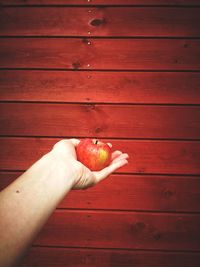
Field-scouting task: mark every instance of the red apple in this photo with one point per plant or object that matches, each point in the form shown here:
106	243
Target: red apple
93	154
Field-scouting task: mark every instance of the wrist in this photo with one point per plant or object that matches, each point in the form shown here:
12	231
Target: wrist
64	169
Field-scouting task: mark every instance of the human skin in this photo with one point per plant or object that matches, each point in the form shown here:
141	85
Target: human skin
27	203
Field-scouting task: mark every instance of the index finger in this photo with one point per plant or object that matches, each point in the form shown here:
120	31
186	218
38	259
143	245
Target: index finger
75	141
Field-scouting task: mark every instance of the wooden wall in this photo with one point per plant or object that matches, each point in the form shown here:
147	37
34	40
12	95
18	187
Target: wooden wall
126	71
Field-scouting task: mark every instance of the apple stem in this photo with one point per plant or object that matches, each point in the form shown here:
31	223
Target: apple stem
96	142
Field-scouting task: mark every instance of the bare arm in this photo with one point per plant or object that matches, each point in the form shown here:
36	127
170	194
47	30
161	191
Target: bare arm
27	203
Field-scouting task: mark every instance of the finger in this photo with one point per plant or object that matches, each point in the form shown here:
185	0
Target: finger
75	141
122	156
110	169
115	154
60	143
109	144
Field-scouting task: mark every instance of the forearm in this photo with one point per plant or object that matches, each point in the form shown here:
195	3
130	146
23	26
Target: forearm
27	203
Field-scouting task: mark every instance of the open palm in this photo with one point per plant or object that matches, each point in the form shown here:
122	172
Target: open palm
86	177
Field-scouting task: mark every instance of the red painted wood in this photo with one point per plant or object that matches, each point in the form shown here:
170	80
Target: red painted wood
166	229
118	21
101	2
164	157
119	121
132	192
79	257
75	53
128	230
70	86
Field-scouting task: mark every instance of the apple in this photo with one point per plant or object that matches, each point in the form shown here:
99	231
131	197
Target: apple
94	154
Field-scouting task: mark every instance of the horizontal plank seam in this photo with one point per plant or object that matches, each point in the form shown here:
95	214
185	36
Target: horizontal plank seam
84	70
84	103
105	70
197	175
103	211
158	174
99	103
101	137
100	5
129	174
172	175
98	37
111	211
122	249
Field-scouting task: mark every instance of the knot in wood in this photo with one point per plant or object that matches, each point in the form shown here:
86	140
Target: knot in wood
97	22
186	45
98	130
167	193
157	236
76	65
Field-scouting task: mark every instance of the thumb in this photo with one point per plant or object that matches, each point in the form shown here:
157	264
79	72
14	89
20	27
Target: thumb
100	175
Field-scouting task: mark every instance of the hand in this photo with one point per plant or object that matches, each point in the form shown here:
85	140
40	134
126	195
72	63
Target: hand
83	177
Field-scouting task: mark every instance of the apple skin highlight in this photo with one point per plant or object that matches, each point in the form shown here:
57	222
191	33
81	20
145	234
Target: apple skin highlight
94	154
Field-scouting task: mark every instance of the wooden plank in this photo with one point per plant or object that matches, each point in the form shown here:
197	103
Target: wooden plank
164	157
118	21
128	230
101	2
79	257
118	121
70	86
132	192
76	53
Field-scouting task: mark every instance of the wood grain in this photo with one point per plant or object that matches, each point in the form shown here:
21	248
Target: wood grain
118	21
132	192
159	157
152	204
110	121
86	87
76	53
101	2
128	230
79	257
